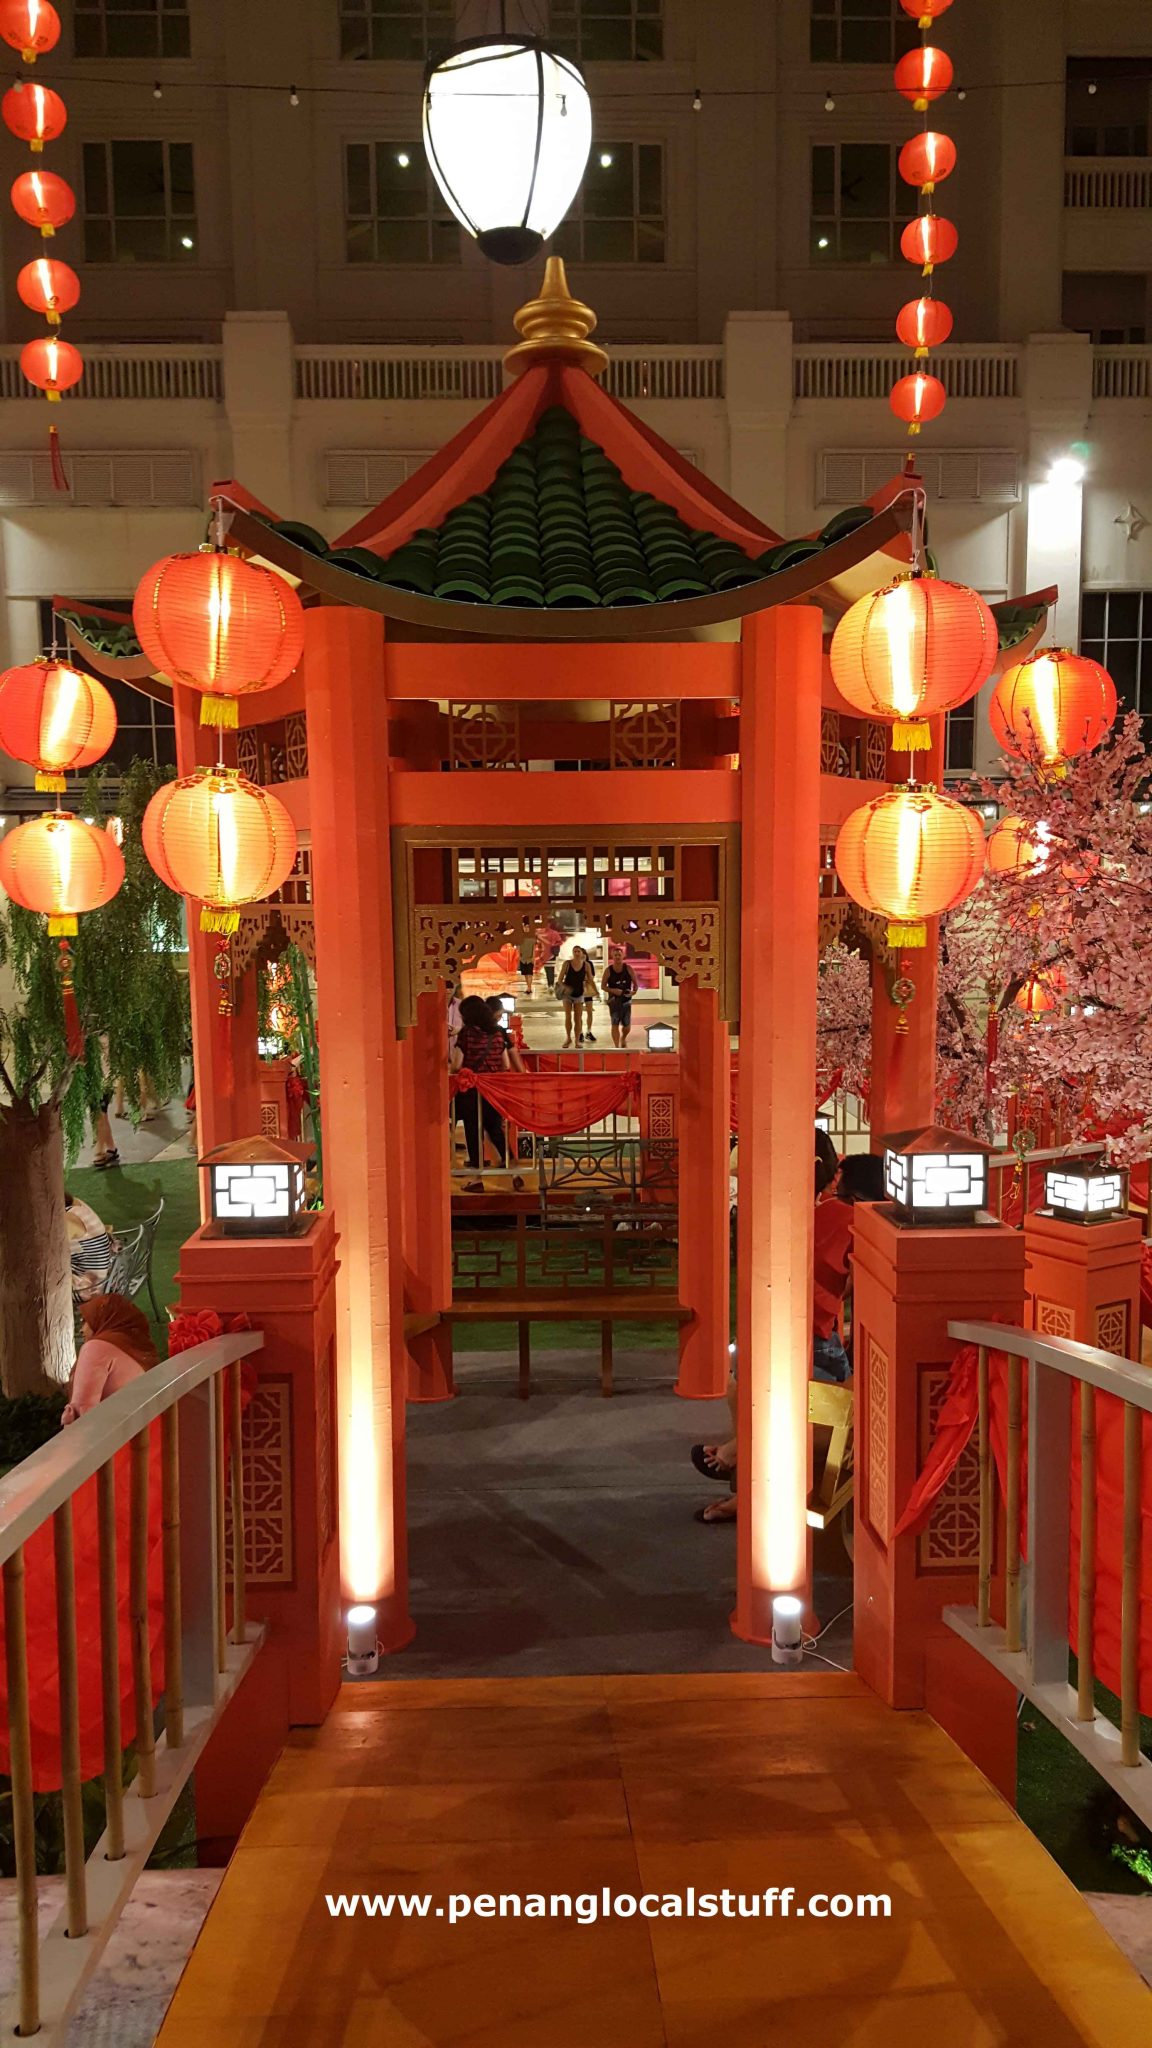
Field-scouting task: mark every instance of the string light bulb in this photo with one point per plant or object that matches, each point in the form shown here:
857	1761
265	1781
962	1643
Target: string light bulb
697	102
293	96
829	104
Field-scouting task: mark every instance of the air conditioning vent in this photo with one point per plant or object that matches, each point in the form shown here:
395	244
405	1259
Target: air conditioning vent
364	476
988	476
110	476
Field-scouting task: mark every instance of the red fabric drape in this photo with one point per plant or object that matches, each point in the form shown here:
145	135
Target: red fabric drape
957	1420
40	1605
552	1105
826	1085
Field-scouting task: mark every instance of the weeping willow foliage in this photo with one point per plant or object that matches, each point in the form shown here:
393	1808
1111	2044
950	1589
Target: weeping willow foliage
131	993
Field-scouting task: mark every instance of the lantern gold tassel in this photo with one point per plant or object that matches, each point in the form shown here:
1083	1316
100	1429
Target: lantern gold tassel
213	919
221	711
48	779
62	927
911	736
907	935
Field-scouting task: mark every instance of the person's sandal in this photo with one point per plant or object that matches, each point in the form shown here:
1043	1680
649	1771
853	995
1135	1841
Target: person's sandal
717	1511
109	1159
709	1465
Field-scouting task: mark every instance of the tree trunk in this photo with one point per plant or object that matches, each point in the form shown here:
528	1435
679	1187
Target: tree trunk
36	1328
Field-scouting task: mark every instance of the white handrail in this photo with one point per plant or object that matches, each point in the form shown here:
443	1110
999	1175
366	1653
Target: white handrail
1103	1369
39	1485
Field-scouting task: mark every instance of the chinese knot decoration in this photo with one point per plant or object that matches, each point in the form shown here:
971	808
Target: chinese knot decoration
922	76
36	114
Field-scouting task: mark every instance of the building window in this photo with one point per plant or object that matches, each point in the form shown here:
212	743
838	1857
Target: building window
607	31
394	211
400	31
859	31
960	739
1107	102
859	203
618	216
145	729
132	28
1116	628
139	203
1110	306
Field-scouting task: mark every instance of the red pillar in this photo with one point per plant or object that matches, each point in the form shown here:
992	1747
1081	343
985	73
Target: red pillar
217	1118
910	1283
287	1285
1083	1281
427	1198
344	668
703	1193
780	856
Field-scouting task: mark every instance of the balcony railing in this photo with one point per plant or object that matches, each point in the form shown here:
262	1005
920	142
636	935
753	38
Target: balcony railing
181	1404
1034	1525
1122	373
161	372
840	370
477	374
1108	184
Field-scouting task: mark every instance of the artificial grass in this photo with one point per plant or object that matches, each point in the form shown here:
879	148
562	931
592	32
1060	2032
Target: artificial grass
1067	1806
126	1194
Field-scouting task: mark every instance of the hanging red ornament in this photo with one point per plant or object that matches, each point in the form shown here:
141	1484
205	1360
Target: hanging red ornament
43	200
1041	993
1056	704
927	159
909	652
922	75
917	398
54	718
30	26
34	113
218	837
221	625
1014	849
52	365
923	324
925	12
909	856
60	866
49	287
928	240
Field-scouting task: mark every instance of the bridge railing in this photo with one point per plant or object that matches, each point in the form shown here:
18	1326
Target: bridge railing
185	1416
1031	1649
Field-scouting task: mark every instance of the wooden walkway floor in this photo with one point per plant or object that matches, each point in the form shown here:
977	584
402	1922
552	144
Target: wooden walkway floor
645	1785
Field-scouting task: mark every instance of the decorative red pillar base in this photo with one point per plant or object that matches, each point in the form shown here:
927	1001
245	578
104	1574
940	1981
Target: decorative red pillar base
1083	1281
910	1283
287	1286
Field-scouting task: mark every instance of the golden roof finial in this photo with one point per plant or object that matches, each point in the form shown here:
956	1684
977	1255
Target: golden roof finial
555	328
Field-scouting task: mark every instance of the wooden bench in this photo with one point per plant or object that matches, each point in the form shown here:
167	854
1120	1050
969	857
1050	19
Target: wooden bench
832	1408
591	1305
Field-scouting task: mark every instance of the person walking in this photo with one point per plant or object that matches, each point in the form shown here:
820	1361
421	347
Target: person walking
482	1047
577	988
619	986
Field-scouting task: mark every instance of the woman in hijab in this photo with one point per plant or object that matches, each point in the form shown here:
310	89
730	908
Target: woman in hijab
117	1348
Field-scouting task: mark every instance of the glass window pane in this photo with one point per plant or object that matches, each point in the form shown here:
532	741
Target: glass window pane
181	179
95	163
360	241
608	241
97	241
865	42
823	179
865	179
400	241
650	178
1123	614
357	178
131	35
865	241
1092	612
822	42
1122	667
138	177
141	241
176	36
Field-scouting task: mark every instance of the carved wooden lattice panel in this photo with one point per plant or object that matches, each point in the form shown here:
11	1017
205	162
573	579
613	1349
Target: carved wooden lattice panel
296	746
248	752
270	1120
952	1537
269	1556
833	755
876	1384
1112	1331
661	1119
876	752
484	736
645	735
1054	1320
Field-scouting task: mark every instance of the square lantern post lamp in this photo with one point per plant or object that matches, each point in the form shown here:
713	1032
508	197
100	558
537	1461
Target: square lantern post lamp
1086	1191
258	1188
661	1038
508	1005
936	1177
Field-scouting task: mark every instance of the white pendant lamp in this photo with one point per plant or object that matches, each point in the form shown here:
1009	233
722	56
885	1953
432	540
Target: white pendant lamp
507	130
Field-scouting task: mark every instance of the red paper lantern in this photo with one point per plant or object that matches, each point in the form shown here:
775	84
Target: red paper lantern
928	240
1014	850
43	200
52	365
925	12
910	855
923	324
917	398
927	159
62	867
49	287
221	625
30	26
1041	993
1056	704
34	113
911	651
218	837
922	75
55	718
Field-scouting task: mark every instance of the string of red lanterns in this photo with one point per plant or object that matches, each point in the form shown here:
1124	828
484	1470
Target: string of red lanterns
36	114
923	76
